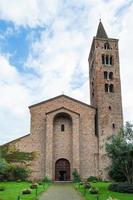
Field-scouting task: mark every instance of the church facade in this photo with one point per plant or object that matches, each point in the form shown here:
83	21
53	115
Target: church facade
68	134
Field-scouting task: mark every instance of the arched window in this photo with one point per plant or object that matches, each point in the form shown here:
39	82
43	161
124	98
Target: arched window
107	60
106	87
106	45
62	128
111	88
111	75
111	60
103	61
105	75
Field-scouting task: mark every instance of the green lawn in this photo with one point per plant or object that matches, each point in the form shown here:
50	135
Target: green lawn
13	189
104	193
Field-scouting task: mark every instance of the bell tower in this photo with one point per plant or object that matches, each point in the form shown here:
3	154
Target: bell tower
105	91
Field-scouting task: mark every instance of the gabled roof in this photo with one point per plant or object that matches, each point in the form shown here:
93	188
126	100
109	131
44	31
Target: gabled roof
15	140
101	33
57	97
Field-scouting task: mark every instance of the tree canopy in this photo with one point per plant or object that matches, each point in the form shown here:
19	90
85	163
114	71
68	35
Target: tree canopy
120	150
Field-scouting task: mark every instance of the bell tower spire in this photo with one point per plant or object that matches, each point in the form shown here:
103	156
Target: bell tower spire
101	33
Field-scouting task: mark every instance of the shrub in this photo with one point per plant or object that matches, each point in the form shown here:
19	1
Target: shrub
27	191
111	198
92	179
87	185
34	186
116	174
3	168
12	172
121	187
2	188
20	173
40	183
76	176
93	190
81	183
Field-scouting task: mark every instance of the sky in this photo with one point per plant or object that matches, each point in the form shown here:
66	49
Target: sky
44	48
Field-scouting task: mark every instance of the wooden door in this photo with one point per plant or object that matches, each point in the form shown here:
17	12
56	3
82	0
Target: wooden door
62	170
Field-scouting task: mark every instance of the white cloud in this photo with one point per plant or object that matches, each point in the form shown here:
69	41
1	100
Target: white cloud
63	47
28	12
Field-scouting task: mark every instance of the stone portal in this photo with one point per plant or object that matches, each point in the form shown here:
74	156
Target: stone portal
62	170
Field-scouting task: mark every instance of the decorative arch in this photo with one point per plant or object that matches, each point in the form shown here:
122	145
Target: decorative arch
62	170
62	114
64	122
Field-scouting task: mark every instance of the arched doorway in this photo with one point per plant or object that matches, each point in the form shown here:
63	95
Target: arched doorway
62	170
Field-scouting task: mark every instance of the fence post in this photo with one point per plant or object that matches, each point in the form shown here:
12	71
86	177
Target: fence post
18	197
84	191
36	192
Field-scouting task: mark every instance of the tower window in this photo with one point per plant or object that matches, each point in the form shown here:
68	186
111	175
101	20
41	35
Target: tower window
107	60
108	75
111	88
111	75
103	61
62	128
106	46
106	87
113	125
110	108
110	60
105	75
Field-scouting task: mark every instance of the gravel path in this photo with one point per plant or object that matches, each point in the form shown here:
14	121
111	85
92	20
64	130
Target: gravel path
61	191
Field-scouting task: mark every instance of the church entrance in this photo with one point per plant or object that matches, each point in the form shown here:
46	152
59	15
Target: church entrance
62	170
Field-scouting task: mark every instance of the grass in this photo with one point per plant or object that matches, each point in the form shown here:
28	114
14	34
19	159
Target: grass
104	193
14	189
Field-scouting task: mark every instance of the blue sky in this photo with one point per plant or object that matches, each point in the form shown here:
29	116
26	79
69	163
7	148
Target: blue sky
46	42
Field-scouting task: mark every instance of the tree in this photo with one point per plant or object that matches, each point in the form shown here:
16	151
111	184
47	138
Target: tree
120	150
13	163
12	155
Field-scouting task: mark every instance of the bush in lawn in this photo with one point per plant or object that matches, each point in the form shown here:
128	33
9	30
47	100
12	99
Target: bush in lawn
87	185
3	168
34	186
81	183
111	198
121	187
92	179
93	190
27	191
76	176
2	188
16	172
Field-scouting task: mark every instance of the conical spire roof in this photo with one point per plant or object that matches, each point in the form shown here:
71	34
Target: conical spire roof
101	33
